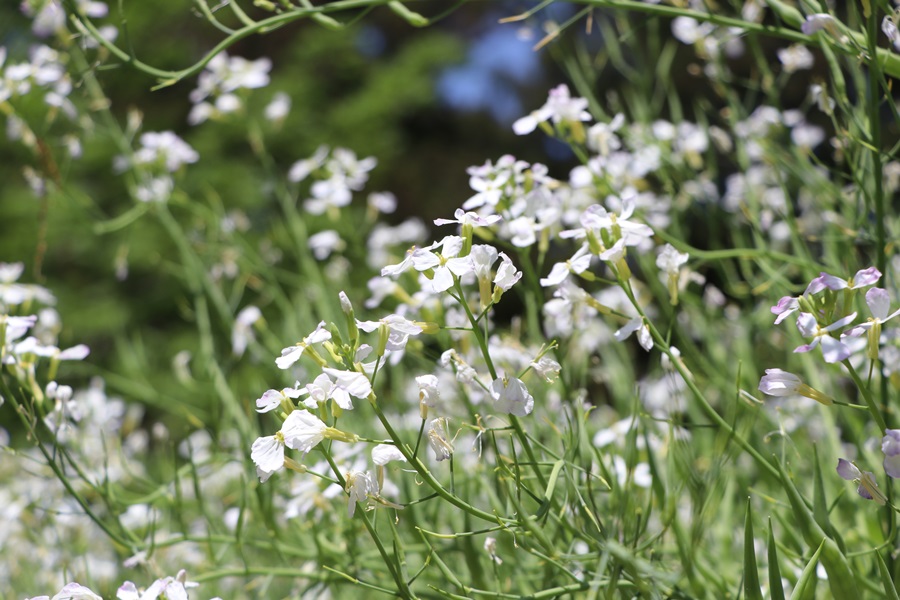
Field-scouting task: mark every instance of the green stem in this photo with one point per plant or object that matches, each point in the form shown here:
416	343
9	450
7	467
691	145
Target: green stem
402	588
60	475
707	408
426	475
870	402
485	352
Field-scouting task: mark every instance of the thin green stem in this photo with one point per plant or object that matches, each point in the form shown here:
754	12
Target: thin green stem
870	402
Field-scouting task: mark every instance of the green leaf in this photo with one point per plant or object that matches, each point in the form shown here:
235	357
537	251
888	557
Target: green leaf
890	592
751	575
820	503
840	576
776	592
806	585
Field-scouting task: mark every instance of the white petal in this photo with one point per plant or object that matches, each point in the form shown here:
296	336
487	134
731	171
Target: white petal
267	453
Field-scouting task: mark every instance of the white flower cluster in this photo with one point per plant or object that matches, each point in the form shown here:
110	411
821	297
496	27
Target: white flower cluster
218	87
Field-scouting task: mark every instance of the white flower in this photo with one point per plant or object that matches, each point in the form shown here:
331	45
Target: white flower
324	243
795	58
469	218
511	396
359	485
301	169
490	546
559	108
819	22
547	368
352	382
272	399
382	454
437	439
670	260
171	588
690	31
579	263
279	107
75	591
429	395
242	334
292	354
301	431
507	275
602	138
164	148
645	339
833	350
323	388
781	383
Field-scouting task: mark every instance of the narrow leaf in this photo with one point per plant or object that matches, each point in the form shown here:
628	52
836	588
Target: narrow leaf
776	592
890	592
751	575
806	585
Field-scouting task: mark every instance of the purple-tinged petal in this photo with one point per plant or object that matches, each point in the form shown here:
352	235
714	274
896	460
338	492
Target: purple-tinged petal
892	466
833	282
834	350
890	443
865	277
806	347
841	322
779	383
879	302
785	306
862	491
807	324
815	286
847	470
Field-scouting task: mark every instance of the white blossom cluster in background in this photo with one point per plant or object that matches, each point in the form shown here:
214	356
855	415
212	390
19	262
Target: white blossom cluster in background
43	525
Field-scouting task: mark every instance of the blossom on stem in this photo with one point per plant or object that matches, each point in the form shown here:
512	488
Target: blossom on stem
172	588
394	331
819	22
890	445
579	263
507	275
166	149
351	383
786	306
437	439
490	546
669	260
511	396
879	304
833	349
360	484
560	108
72	591
781	383
429	394
292	354
645	339
302	431
272	399
868	487
863	278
